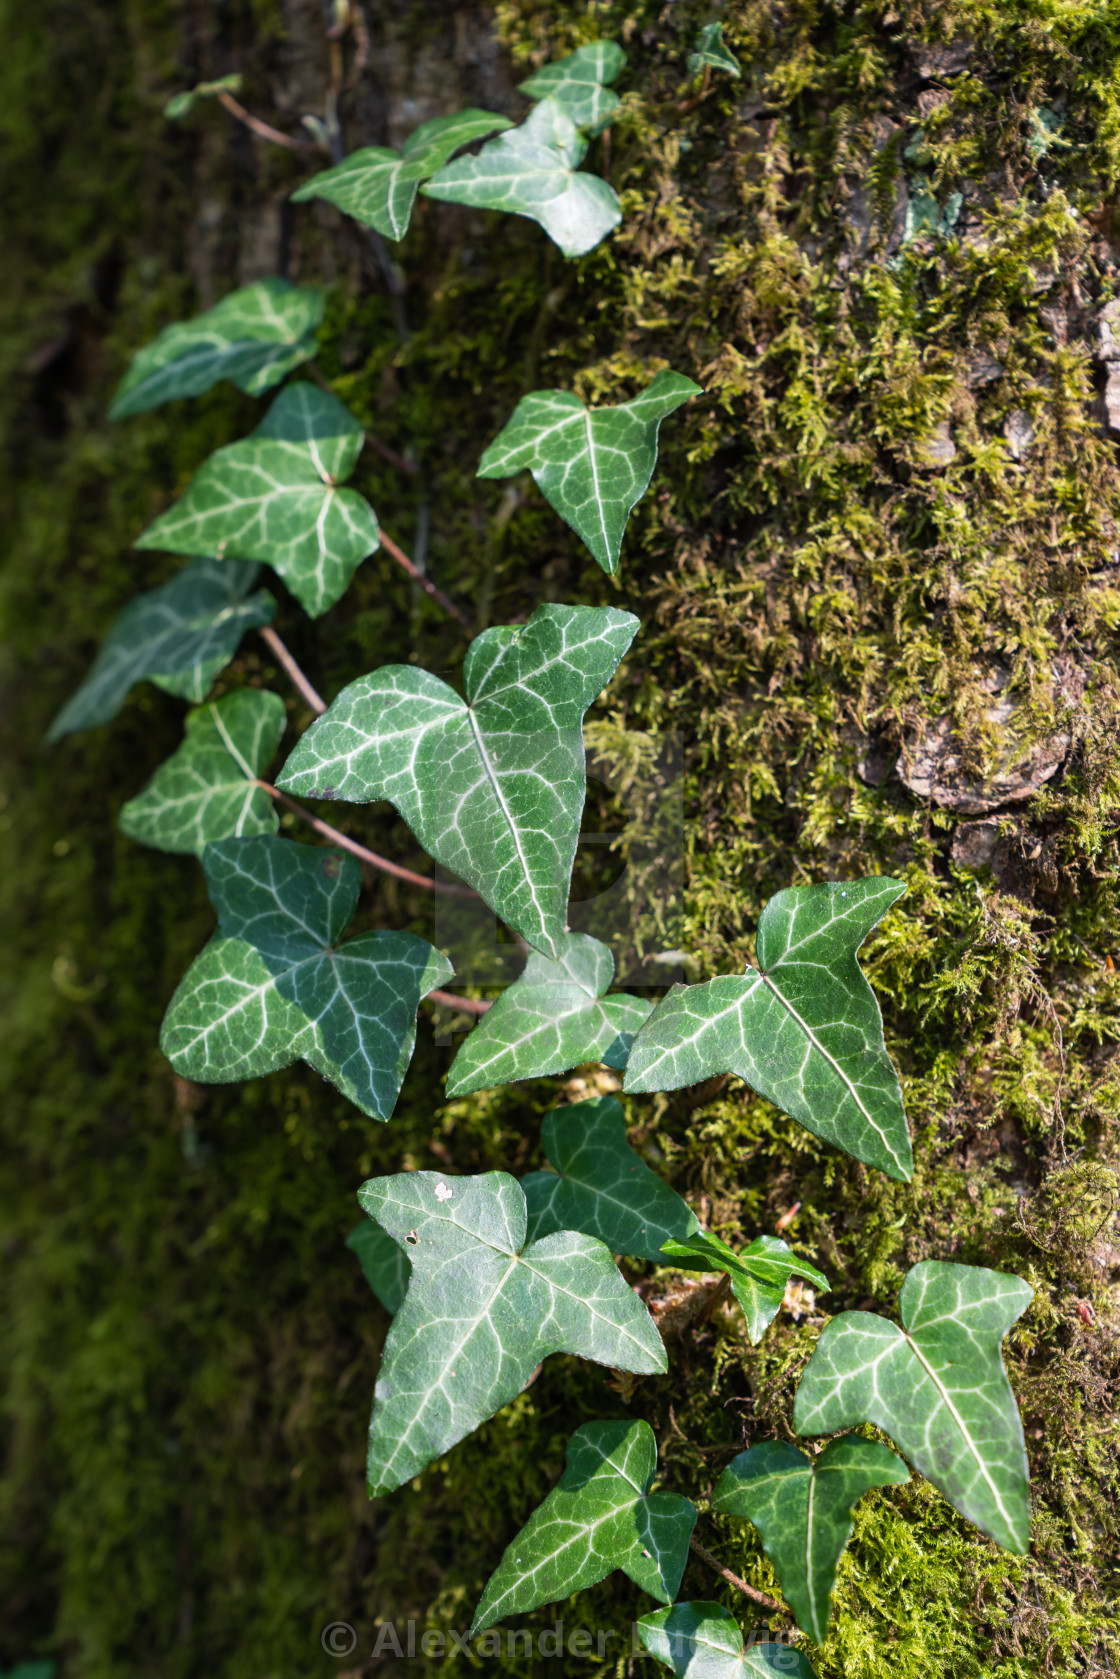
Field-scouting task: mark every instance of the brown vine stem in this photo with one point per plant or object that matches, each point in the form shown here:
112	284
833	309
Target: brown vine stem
426	583
470	1005
295	675
263	130
733	1579
362	852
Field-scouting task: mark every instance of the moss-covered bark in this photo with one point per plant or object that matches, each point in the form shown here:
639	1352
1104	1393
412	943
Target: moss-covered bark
886	535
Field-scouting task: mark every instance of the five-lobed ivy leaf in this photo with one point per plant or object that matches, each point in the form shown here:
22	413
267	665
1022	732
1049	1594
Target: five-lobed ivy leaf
711	52
601	1515
803	1509
937	1387
274	986
593	465
492	787
483	1308
758	1275
703	1641
803	1028
580	83
209	789
532	171
275	496
385	1266
600	1186
553	1017
378	186
178	636
254	337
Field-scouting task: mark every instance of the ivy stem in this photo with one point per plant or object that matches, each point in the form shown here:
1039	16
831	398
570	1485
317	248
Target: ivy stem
426	583
470	1005
362	852
298	680
263	130
733	1579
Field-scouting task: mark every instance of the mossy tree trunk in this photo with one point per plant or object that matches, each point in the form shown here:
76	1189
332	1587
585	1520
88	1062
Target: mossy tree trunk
879	585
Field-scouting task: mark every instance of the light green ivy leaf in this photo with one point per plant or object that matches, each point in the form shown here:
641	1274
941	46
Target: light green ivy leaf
208	789
758	1274
274	985
803	1508
593	465
378	186
532	171
601	1515
937	1387
482	1310
580	83
711	52
254	337
275	496
384	1265
803	1028
601	1186
493	788
178	636
703	1641
182	104
555	1016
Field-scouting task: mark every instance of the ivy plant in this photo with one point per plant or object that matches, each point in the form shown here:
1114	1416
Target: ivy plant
758	1276
711	52
703	1641
581	83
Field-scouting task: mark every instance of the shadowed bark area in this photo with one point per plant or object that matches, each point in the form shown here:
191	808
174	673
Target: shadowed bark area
877	574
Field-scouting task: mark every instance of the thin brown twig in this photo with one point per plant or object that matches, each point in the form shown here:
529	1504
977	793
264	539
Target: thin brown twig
425	583
362	852
469	1005
263	130
733	1579
280	653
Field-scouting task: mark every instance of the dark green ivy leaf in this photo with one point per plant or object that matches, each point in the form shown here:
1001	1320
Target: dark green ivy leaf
580	83
703	1641
384	1265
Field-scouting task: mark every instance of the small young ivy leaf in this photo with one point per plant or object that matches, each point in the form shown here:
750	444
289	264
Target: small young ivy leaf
275	496
580	83
599	1516
703	1641
208	789
600	1186
254	337
937	1387
384	1265
482	1310
178	636
803	1509
555	1016
182	104
492	788
378	186
531	171
593	465
803	1028
758	1275
274	986
711	52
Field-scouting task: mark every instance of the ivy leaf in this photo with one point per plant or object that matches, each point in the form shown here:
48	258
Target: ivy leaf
275	496
593	465
711	52
482	1310
803	1509
937	1387
179	636
274	986
182	104
254	337
492	788
803	1028
531	171
703	1641
601	1186
208	789
378	186
758	1275
579	84
555	1016
599	1516
384	1265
